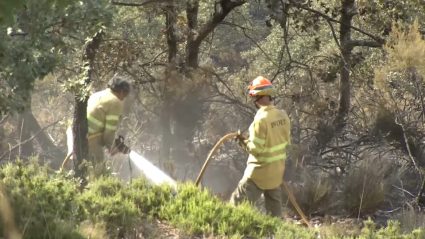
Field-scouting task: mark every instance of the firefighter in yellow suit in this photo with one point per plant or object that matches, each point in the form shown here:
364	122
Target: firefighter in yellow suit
104	110
269	135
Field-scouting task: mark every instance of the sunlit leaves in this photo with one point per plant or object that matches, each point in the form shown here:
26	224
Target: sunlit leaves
400	78
8	8
38	40
78	84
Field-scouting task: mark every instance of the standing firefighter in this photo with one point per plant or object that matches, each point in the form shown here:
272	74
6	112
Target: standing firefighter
269	135
104	110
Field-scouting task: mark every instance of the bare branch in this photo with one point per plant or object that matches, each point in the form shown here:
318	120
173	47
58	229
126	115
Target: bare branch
4	119
114	2
252	40
226	7
354	43
333	33
326	17
32	137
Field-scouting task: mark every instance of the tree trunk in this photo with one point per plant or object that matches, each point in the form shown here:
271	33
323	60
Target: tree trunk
45	143
2	139
189	112
327	132
170	24
166	132
27	149
79	123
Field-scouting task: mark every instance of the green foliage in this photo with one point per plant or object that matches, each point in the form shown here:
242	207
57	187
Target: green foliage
200	212
35	44
43	203
8	8
47	203
78	84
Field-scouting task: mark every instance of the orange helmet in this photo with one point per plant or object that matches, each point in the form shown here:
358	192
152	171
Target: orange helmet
261	86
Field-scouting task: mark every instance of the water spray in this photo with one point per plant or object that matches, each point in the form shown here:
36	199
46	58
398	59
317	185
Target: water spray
152	173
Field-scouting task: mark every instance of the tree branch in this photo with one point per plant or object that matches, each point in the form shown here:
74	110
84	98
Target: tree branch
4	119
326	17
29	139
192	14
354	43
170	23
226	7
114	2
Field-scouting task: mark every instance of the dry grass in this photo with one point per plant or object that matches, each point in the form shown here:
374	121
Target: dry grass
314	194
93	231
410	220
364	188
339	231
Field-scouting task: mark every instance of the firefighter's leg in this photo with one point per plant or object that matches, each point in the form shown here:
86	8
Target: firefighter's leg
97	159
246	190
273	201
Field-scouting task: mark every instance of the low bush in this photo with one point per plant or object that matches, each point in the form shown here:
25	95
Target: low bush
364	188
48	205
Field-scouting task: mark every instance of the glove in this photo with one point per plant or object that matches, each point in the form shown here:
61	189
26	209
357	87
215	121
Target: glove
241	140
120	146
125	149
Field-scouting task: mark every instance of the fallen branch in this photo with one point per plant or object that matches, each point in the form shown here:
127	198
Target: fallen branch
4	119
31	138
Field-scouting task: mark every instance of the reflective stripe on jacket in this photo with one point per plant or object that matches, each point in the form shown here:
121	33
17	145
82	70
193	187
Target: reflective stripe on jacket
104	110
269	135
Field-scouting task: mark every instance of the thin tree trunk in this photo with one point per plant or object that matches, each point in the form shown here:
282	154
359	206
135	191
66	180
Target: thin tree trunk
327	132
27	149
79	123
170	23
2	139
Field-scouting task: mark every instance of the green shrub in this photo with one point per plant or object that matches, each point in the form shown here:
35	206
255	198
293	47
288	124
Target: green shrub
48	205
201	212
148	198
43	204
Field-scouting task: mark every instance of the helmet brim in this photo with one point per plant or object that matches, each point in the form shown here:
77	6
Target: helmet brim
259	92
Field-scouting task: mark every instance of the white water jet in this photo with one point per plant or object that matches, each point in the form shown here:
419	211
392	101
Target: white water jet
152	173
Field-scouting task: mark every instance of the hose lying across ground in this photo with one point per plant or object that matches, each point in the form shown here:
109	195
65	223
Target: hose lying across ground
284	186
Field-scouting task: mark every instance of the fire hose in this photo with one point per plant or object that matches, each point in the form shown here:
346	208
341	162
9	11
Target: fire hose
118	142
283	185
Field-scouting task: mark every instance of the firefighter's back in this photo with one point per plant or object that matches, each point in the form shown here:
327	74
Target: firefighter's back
268	167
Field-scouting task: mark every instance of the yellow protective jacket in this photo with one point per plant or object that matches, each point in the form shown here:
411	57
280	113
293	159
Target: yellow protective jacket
104	111
269	135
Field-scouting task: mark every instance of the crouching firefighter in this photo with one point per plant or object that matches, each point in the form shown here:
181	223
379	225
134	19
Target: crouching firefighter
269	135
104	110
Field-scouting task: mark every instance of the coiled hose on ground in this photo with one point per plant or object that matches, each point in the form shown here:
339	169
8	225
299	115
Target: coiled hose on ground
283	185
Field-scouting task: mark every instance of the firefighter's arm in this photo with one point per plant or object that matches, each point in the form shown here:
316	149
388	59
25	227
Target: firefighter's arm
111	124
257	137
